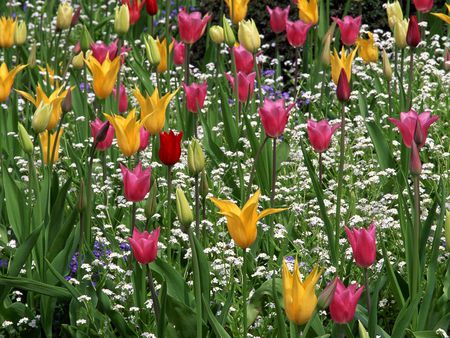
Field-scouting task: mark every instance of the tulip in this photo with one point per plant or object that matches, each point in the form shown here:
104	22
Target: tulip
85	39
136	183
343	305
216	34
162	47
64	16
76	17
367	49
7	79
66	105
123	99
343	87
442	16
54	100
363	243
20	34
246	85
25	140
408	122
238	9
144	245
184	211
101	50
122	20
394	13
47	153
196	158
343	62
134	9
387	70
278	18
297	32
274	116
78	61
179	52
96	126
170	147
151	7
241	223
249	36
326	296
41	117
204	185
320	133
230	39
152	50
308	11
7	28
349	29
400	29
192	26
153	109
32	56
195	96
423	6
143	139
104	75
415	165
447	230
127	132
413	34
48	74
299	297
244	60
325	56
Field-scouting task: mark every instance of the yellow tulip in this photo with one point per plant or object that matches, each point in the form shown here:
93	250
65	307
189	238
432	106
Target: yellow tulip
308	11
299	297
442	16
248	36
48	75
153	109
162	47
7	28
104	75
127	132
342	62
55	99
238	9
241	223
400	30
64	16
20	34
7	79
394	13
46	152
367	49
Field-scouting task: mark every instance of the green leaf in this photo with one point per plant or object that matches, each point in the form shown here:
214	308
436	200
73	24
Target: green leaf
182	317
34	286
404	318
14	207
218	329
203	265
425	334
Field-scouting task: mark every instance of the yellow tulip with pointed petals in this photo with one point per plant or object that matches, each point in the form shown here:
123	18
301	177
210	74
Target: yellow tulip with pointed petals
299	297
342	62
127	132
48	74
7	29
442	16
308	11
7	79
153	109
241	223
238	9
47	152
104	75
162	47
367	49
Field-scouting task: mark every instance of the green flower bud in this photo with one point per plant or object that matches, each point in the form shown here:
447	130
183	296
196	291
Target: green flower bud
25	140
153	55
387	70
196	158
41	117
362	331
151	203
184	211
122	20
204	184
85	40
230	39
216	34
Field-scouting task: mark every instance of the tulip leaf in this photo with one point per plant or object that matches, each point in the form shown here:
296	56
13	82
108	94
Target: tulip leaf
230	129
34	286
203	265
182	317
398	295
361	315
404	318
256	302
57	213
425	334
218	329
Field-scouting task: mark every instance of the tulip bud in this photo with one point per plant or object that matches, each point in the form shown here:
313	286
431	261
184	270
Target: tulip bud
249	36
101	134
343	87
415	165
85	40
64	16
326	296
387	70
66	105
362	331
151	47
419	137
41	117
230	39
325	57
78	61
204	185
400	29
184	211
122	20
447	229
216	34
25	140
20	33
82	198
152	202
413	34
32	57
76	17
196	158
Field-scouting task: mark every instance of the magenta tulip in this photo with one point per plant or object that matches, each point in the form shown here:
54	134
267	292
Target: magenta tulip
296	32
136	183
343	305
319	134
363	243
123	98
343	87
246	85
244	60
96	127
101	49
349	29
274	116
179	52
423	6
195	96
143	138
144	245
192	26
408	122
278	18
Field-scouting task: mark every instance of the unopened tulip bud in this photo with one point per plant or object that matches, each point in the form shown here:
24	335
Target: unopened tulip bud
326	296
78	61
85	40
204	185
419	136
447	230
230	39
122	20
41	117
343	87
66	105
76	17
415	165
325	57
249	36
25	140
152	50
362	331
32	57
20	33
387	70
400	30
102	134
196	158
150	205
413	37
64	16
216	34
184	211
82	199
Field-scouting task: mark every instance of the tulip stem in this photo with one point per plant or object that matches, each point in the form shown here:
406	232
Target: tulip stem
155	299
388	84
340	175
366	282
296	69
252	173
244	294
133	216
197	207
411	75
320	169
236	89
416	236
274	171
119	50
169	205
186	64
258	79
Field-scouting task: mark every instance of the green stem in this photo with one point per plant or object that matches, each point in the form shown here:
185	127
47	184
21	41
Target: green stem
416	237
258	79
197	286
236	89
274	171
366	282
320	169
197	206
154	296
411	76
252	173
244	294
119	48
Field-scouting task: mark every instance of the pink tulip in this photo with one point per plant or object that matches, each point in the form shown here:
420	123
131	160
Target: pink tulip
296	32
143	135
246	85
407	125
144	245
363	243
96	127
136	183
423	6
179	51
123	98
101	49
278	18
274	116
343	305
244	60
349	29
195	96
192	26
319	134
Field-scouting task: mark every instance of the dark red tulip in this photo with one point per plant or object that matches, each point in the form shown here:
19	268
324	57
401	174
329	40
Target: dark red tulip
413	34
169	147
343	87
151	7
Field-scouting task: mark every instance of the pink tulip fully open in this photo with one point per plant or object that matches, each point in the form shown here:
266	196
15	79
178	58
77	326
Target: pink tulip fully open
278	18
343	305
363	243
274	116
244	60
195	96
136	183
246	85
96	127
144	245
349	28
320	133
297	32
192	26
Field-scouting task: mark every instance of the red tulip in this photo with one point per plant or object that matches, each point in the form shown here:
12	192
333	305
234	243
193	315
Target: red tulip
195	96
297	32
192	26
349	29
413	37
343	87
244	60
278	18
151	7
144	245
246	85
274	116
363	243
76	17
96	127
319	134
123	98
343	305
408	122
423	6
143	135
136	183
179	51
170	147
135	9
